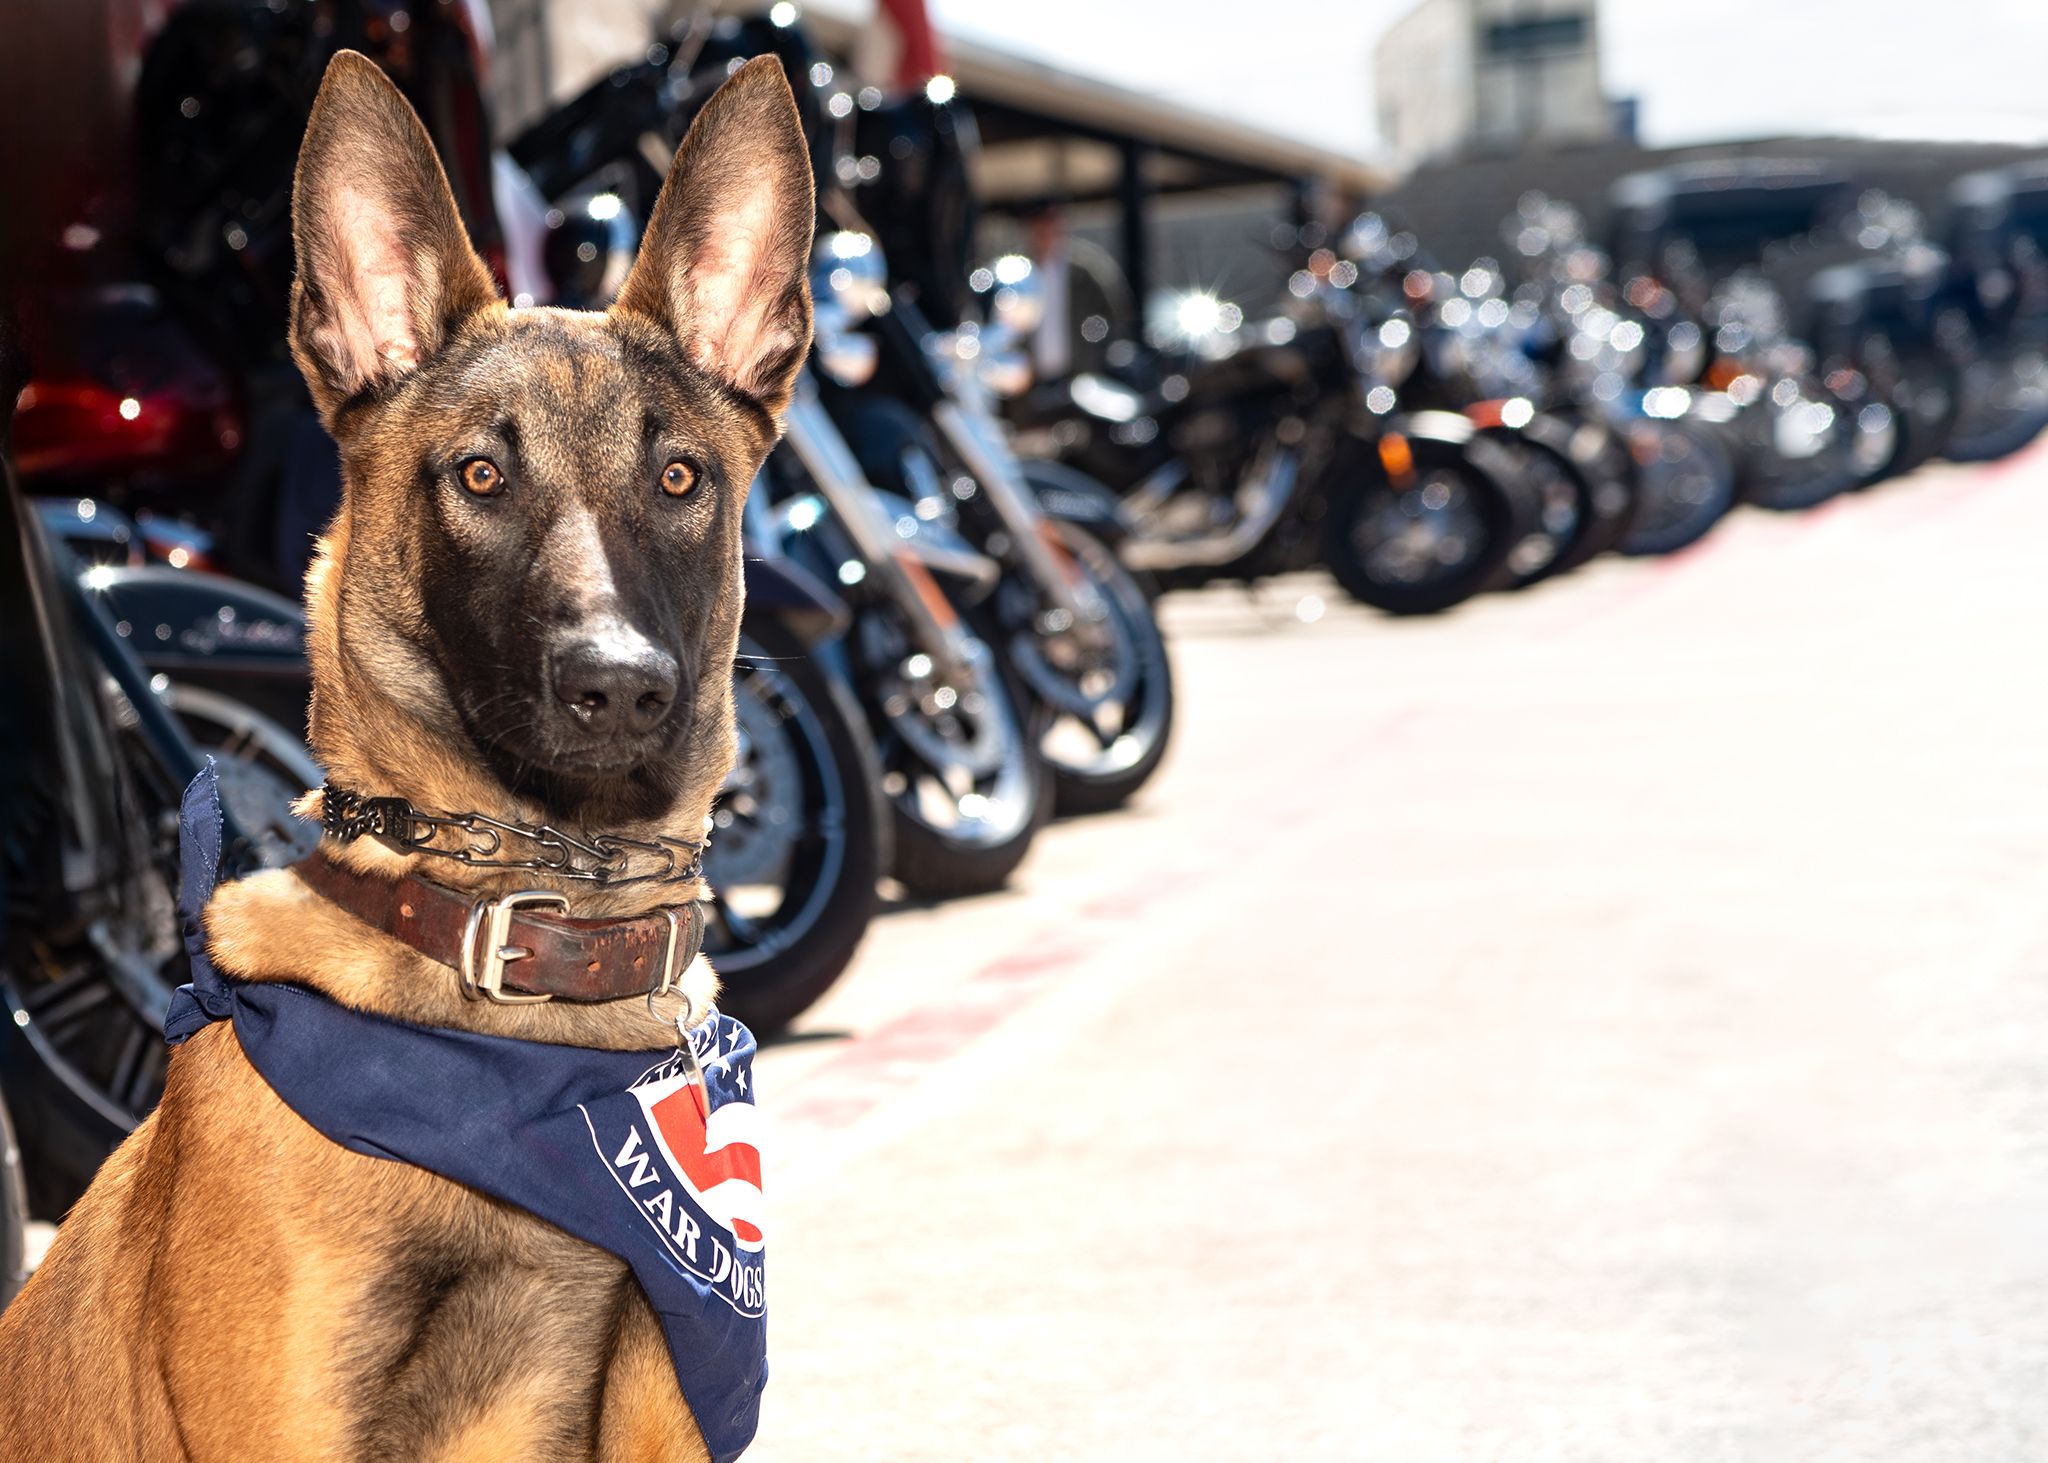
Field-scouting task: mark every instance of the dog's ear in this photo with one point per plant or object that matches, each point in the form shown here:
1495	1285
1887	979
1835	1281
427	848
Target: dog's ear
724	261
384	266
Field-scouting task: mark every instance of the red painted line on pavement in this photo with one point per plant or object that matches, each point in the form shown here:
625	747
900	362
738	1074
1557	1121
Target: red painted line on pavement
871	1069
1030	963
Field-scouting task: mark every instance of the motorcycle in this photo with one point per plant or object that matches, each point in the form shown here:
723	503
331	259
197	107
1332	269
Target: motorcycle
1998	245
800	837
1627	354
1482	357
101	751
1805	428
1245	448
1075	627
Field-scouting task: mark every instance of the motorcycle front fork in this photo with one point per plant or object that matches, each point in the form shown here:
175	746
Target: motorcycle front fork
889	561
971	429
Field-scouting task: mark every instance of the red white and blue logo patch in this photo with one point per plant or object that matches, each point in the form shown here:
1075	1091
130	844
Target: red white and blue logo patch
688	1157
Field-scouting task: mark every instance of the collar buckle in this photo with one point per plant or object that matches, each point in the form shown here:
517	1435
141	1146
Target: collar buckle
493	919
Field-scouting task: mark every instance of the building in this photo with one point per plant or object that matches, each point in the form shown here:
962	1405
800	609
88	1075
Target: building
1474	76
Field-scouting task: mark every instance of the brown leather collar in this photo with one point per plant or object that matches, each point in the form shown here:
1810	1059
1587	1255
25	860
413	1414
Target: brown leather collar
508	951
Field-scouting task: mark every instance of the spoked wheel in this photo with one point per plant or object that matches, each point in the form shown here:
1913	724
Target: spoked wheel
89	1021
799	834
1685	482
960	763
263	769
1105	695
1429	537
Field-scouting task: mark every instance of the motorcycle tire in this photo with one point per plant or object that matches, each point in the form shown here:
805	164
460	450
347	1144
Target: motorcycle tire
844	849
1495	515
13	1213
1686	483
886	436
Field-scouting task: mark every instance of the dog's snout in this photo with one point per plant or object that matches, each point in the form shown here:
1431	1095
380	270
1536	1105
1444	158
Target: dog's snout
612	684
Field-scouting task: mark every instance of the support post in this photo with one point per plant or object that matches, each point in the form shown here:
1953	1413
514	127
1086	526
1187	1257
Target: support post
1135	196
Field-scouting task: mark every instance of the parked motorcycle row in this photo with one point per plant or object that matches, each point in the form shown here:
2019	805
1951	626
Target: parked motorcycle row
1756	333
951	567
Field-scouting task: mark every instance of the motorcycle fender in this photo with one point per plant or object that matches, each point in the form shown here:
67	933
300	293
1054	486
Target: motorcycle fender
782	589
179	619
1448	427
1074	497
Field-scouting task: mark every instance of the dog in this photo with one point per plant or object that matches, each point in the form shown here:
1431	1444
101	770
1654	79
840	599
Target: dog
527	606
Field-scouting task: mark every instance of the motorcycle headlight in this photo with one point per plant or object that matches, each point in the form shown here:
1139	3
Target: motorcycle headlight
845	354
848	270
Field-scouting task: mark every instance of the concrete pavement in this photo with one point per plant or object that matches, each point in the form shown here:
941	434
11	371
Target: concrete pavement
1602	1023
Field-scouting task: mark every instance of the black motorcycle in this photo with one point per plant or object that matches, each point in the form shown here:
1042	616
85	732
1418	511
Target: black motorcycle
96	757
1075	626
1624	354
1243	448
1998	248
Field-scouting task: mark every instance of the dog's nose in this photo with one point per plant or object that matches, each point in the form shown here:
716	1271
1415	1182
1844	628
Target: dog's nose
611	685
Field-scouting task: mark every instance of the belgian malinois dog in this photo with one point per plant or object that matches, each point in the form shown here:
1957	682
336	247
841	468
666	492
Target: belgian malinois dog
528	605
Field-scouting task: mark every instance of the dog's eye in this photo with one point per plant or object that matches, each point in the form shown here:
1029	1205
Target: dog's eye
481	477
678	478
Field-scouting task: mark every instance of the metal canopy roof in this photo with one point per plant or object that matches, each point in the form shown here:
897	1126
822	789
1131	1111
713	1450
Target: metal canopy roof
1052	135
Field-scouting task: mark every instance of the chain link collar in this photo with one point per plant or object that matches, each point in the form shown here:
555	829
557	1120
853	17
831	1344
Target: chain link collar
607	860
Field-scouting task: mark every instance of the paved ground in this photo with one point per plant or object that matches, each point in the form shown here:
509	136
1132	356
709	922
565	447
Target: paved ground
1607	1023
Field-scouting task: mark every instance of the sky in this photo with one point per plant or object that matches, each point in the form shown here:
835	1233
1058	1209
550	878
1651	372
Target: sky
1704	70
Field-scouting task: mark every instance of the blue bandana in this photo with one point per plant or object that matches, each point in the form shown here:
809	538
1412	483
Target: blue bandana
616	1148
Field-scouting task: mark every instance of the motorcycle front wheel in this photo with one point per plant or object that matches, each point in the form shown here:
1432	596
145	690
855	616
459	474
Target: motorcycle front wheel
960	764
262	764
1433	537
1599	456
799	838
1685	483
